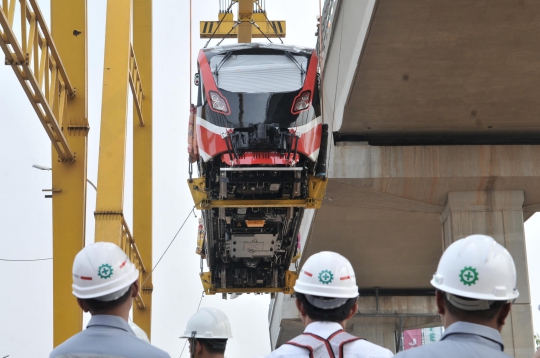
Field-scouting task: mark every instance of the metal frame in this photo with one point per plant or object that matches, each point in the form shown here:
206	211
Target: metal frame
127	244
38	68
209	289
136	85
259	169
316	191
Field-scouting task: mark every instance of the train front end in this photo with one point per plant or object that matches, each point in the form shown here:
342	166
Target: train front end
256	139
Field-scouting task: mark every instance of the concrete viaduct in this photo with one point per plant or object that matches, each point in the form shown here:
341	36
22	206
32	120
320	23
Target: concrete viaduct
435	113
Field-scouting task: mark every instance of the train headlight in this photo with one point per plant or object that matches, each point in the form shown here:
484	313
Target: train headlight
218	103
301	102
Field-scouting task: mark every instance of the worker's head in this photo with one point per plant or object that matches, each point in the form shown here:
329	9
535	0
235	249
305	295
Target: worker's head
326	288
208	331
475	282
104	278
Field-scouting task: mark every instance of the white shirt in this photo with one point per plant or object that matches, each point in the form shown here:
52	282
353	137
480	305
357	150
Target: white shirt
357	349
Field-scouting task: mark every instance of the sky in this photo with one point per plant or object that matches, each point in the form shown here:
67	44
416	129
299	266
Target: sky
25	215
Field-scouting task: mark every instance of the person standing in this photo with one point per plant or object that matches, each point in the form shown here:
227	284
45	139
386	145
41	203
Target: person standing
476	285
207	332
326	294
105	283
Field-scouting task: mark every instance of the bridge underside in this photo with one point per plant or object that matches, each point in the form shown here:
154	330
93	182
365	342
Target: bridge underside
447	72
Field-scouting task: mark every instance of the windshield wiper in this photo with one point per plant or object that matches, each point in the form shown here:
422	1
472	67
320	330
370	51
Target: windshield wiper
220	64
291	57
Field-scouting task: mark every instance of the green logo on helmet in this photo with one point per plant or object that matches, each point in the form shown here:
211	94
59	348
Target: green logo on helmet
326	277
105	271
468	276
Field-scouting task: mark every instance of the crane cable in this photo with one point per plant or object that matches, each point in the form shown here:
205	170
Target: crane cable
219	23
26	260
190	164
189	214
190	54
258	28
271	24
199	306
321	66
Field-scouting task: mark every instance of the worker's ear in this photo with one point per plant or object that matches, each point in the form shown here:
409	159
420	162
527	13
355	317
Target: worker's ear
300	307
503	313
198	349
441	307
83	305
353	310
135	289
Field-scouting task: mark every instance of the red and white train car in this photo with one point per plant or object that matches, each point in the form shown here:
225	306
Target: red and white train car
256	134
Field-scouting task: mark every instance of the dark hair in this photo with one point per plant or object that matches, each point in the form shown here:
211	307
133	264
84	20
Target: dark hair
332	315
102	306
213	346
478	315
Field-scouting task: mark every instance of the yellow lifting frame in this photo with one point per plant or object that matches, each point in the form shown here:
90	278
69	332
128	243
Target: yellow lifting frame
316	190
247	26
209	289
228	27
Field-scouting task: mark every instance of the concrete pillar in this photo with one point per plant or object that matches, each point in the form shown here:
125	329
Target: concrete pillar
498	214
376	320
377	330
380	318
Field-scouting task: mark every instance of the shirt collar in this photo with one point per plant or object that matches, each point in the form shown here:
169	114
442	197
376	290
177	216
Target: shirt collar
111	321
322	329
476	329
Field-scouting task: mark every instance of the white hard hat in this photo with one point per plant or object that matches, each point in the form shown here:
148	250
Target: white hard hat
102	271
208	323
138	331
327	274
477	267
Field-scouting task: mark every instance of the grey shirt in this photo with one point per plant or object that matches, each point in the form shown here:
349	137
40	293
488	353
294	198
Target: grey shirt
107	337
462	339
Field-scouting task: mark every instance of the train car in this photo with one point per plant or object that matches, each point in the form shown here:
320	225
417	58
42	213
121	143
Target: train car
255	134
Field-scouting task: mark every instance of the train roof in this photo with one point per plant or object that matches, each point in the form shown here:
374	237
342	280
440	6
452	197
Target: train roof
305	51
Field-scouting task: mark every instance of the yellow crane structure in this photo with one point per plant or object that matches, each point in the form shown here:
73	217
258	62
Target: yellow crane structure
51	66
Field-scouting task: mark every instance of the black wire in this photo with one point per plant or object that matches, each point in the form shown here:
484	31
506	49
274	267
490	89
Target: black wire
217	27
271	24
232	28
258	28
48	258
189	214
202	295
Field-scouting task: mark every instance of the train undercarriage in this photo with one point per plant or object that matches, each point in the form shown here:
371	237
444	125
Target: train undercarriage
260	151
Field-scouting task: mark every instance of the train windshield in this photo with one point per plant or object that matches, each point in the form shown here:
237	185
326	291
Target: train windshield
258	89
